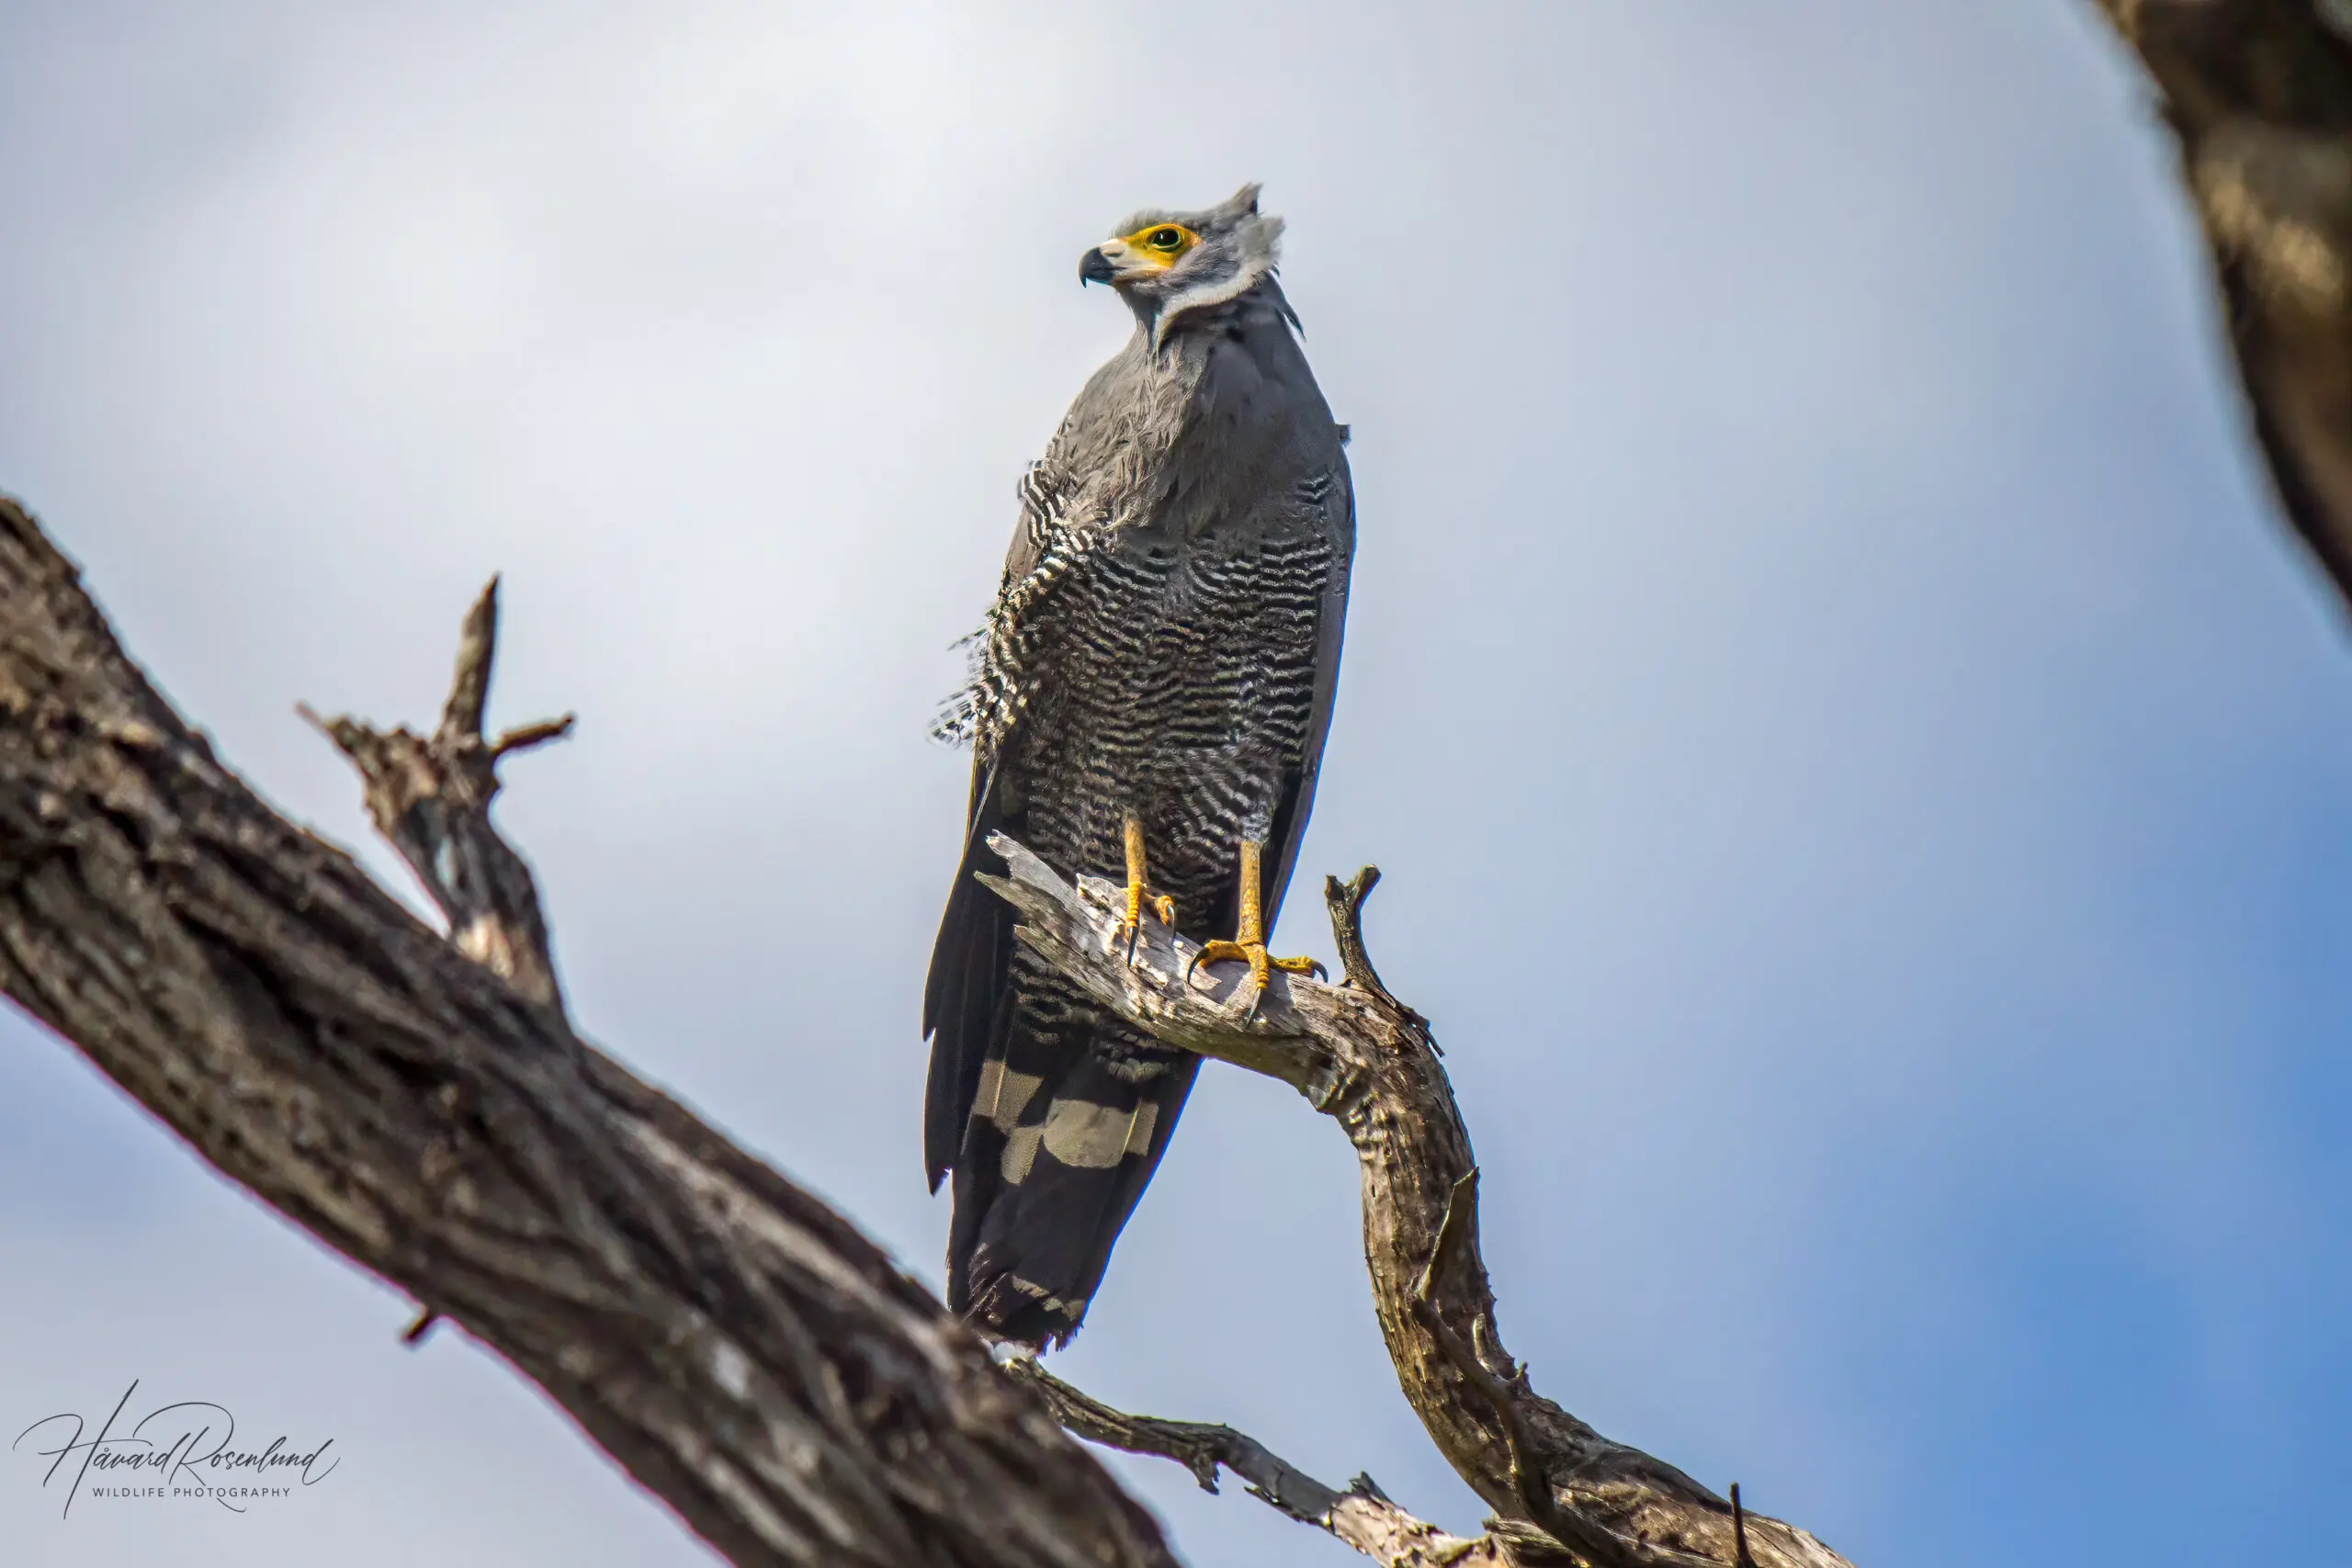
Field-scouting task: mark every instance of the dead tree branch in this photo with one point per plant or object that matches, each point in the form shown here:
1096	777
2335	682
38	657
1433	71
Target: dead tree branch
2258	94
1370	1063
740	1348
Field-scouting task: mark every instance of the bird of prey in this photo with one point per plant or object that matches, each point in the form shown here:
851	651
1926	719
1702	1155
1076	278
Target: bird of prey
1149	697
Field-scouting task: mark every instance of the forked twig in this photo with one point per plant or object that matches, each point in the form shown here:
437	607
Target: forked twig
430	796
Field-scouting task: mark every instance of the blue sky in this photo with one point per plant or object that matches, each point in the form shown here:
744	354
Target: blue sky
1865	782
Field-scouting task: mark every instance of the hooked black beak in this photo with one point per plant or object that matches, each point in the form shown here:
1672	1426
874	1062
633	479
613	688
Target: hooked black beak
1095	267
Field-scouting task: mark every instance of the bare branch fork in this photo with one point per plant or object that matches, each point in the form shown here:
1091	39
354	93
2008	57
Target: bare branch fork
429	796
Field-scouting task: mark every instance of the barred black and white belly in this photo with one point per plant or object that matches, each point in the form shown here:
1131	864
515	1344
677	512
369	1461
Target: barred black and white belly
1184	690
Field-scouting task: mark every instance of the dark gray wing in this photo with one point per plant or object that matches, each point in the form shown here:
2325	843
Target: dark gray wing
960	997
963	993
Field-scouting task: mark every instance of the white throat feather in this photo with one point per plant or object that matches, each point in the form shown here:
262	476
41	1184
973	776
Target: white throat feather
1257	242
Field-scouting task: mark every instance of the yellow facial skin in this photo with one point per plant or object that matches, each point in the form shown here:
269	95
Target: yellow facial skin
1155	249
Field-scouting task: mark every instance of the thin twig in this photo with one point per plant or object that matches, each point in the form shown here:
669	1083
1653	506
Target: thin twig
1201	1447
1362	1517
524	736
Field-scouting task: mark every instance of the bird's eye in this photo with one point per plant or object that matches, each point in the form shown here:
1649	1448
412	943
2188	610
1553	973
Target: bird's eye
1166	239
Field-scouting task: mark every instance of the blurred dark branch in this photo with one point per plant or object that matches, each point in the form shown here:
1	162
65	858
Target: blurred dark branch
2258	96
741	1349
1563	1493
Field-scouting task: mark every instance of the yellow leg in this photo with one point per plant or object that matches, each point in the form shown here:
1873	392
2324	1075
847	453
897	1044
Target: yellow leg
1250	938
1139	892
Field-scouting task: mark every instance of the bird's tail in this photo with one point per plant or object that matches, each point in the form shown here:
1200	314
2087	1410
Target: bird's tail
1063	1135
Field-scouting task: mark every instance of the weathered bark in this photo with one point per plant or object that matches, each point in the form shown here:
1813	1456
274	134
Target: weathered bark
2259	94
1369	1062
738	1347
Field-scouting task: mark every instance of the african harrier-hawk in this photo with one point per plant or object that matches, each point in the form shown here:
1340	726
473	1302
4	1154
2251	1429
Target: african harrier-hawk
1150	695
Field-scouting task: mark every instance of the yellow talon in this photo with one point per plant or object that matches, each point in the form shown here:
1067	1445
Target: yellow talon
1261	965
1138	898
1260	962
1252	947
1220	951
1139	893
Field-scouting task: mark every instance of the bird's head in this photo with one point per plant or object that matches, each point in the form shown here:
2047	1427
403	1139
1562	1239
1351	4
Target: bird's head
1164	263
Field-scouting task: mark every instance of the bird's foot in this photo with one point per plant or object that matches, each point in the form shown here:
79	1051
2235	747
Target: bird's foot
1261	965
1140	898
